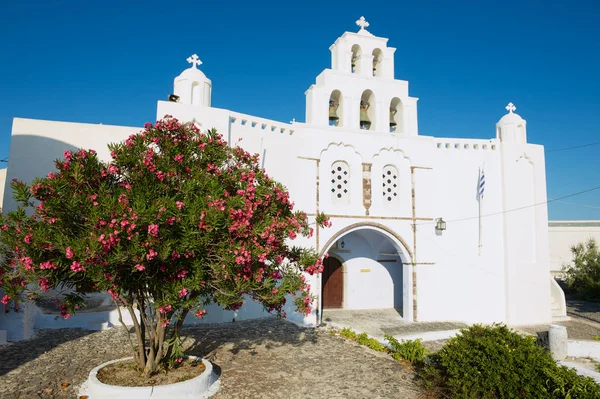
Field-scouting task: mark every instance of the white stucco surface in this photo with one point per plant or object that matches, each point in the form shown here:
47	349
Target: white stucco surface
491	264
563	234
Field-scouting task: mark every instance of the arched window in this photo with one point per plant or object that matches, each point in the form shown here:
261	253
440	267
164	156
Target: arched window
390	184
340	182
367	111
396	116
377	58
336	111
196	99
355	60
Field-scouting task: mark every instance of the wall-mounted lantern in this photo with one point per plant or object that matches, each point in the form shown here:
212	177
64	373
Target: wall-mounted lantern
342	244
440	225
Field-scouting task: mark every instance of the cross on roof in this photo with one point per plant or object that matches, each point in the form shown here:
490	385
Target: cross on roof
511	107
362	22
194	60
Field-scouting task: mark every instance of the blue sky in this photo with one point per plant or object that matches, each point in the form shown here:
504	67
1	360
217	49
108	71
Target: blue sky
109	62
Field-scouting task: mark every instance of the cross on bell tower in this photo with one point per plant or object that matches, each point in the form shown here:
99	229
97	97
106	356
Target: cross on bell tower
194	60
362	22
511	108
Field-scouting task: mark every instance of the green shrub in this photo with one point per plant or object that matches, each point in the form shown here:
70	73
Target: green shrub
412	351
583	275
348	333
596	338
598	367
496	362
363	339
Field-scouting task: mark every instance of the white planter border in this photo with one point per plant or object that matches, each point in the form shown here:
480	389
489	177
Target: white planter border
200	387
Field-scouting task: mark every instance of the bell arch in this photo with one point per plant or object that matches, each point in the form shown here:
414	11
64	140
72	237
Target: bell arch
196	98
367	111
336	109
377	62
396	115
355	59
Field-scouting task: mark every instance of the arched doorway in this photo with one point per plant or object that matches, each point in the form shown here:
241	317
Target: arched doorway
368	269
333	284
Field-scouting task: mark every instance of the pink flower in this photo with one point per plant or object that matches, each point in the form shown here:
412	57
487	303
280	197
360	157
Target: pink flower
179	158
27	263
5	299
166	323
112	169
165	309
151	254
200	313
28	238
180	205
183	292
141	268
76	267
69	253
179	360
44	284
47	265
153	230
65	315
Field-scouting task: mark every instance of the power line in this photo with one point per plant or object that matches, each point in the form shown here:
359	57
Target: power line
520	208
582	205
573	148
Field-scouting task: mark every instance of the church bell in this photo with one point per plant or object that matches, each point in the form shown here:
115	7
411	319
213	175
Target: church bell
333	116
365	122
392	121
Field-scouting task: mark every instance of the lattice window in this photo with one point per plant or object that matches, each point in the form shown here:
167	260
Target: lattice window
390	184
340	182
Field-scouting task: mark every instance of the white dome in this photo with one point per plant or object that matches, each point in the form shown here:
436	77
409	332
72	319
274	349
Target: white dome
511	117
193	74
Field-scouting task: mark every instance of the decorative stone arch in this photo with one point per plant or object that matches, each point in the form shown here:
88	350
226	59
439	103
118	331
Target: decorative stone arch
404	253
402	246
367	106
336	107
377	62
355	56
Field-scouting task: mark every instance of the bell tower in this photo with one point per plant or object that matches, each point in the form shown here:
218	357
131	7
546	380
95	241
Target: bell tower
192	86
359	92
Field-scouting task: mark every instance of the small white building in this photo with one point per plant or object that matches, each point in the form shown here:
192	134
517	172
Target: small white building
360	158
564	234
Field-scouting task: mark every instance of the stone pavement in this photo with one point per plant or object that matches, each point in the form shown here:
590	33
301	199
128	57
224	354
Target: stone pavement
377	323
264	358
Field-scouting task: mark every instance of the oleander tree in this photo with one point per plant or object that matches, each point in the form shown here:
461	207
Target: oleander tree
177	220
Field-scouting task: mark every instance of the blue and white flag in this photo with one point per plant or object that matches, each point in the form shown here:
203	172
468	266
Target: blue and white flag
481	185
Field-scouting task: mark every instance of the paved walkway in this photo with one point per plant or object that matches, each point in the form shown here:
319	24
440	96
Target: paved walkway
377	323
258	359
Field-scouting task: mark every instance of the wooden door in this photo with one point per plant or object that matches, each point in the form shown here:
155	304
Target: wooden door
333	283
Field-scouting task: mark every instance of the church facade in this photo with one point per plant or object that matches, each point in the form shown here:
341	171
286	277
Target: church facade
441	229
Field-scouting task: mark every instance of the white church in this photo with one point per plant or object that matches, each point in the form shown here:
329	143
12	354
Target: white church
441	229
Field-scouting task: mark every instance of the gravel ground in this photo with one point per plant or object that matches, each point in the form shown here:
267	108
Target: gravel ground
257	359
585	310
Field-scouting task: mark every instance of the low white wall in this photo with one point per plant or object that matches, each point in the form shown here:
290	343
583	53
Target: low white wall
562	235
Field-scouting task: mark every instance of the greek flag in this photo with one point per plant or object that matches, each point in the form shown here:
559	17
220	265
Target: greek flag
481	185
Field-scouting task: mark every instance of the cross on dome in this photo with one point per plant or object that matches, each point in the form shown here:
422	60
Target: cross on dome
194	60
362	22
511	107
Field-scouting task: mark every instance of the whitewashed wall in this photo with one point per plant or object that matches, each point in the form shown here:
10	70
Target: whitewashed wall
563	234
